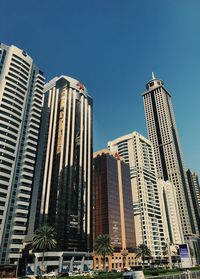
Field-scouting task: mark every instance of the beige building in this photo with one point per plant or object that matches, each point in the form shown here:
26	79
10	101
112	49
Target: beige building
117	261
137	151
170	212
163	134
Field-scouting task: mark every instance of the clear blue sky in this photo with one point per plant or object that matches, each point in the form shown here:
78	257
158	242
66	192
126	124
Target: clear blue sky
112	46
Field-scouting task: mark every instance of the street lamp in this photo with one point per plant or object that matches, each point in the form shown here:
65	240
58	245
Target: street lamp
17	268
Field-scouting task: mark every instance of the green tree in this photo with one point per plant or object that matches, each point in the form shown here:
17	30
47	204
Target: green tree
44	240
103	247
143	252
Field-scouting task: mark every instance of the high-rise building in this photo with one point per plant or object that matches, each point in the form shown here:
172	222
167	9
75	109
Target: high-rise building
62	192
170	212
113	207
21	94
138	152
193	182
163	134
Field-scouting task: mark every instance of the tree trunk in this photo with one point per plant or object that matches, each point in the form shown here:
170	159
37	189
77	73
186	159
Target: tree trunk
42	262
104	263
143	259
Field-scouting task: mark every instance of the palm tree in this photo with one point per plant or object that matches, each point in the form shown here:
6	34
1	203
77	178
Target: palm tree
103	247
142	252
44	240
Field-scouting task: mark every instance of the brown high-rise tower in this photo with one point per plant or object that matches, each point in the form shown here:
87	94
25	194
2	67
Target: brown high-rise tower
113	210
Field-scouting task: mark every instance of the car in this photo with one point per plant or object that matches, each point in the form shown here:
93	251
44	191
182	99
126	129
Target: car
127	268
50	274
137	274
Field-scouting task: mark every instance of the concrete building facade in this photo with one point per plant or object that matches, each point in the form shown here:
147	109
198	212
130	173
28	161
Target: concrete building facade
21	96
163	134
193	182
170	212
138	152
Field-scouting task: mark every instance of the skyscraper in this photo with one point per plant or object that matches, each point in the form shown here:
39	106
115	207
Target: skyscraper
170	212
62	193
138	152
163	134
195	193
21	94
113	207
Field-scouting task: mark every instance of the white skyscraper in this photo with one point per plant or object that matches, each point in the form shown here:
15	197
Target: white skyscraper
138	152
163	134
170	212
21	93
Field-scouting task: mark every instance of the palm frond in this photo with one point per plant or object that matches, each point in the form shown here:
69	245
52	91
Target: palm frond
103	245
44	238
143	251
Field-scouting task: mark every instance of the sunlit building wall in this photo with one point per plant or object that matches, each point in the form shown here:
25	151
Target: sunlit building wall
163	134
21	95
138	152
170	212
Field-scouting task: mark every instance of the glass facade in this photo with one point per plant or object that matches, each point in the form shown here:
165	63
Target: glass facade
112	215
65	166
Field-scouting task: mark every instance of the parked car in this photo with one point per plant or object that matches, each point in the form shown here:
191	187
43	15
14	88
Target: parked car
50	274
137	274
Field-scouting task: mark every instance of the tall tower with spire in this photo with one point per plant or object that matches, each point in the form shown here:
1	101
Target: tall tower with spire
162	131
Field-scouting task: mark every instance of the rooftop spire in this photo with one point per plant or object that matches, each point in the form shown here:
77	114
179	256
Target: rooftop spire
153	76
154	82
